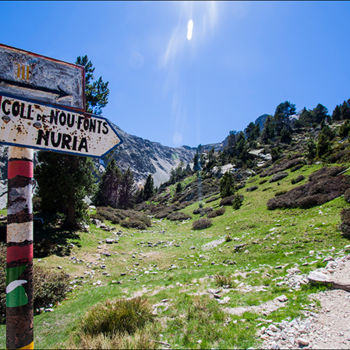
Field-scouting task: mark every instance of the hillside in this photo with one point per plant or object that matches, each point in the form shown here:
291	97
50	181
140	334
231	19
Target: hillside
219	256
216	287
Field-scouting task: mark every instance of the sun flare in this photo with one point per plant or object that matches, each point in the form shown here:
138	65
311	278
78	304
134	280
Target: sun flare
189	29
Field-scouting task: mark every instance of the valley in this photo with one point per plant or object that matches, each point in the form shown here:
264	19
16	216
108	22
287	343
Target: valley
216	287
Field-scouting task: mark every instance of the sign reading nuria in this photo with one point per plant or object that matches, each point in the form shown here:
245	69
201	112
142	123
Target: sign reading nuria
27	123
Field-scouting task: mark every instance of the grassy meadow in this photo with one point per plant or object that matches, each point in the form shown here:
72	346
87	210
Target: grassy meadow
191	279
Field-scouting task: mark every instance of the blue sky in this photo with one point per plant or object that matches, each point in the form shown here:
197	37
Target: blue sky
243	59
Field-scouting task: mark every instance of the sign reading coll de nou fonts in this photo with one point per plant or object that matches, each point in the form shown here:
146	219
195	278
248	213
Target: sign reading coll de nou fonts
27	123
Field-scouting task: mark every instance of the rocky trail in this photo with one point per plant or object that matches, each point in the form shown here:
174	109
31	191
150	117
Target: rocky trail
327	327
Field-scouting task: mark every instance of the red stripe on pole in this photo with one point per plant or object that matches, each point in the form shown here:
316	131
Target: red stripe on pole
20	167
15	253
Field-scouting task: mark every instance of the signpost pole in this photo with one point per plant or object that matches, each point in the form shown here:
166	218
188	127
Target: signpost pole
19	272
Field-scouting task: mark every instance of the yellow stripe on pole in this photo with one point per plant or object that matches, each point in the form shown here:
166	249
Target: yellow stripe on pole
29	346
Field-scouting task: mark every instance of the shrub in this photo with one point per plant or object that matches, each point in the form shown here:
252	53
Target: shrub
345	216
224	281
162	214
297	167
127	218
227	200
347	195
278	177
203	211
297	179
323	186
345	229
283	165
49	287
280	193
228	238
108	213
326	172
133	223
262	181
237	201
178	216
201	224
118	316
253	188
215	213
212	199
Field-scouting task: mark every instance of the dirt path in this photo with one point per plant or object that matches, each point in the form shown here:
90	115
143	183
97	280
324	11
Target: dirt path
328	328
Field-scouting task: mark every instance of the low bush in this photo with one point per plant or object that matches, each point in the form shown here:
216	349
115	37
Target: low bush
215	213
178	216
297	179
323	186
278	177
228	238
227	200
118	316
203	211
345	230
262	181
347	195
253	188
345	216
212	199
162	214
127	217
326	172
108	213
224	281
284	164
201	224
133	223
49	287
280	193
297	167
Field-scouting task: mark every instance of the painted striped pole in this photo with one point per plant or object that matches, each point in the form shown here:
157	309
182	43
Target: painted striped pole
19	273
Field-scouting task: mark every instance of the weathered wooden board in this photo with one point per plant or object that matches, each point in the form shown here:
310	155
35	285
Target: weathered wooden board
28	75
32	124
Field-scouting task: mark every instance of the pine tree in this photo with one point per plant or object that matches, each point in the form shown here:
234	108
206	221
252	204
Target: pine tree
311	150
227	185
336	115
108	191
148	190
196	165
345	110
178	188
64	181
126	190
323	145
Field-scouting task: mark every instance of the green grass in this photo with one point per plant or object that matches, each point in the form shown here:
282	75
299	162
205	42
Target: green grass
177	279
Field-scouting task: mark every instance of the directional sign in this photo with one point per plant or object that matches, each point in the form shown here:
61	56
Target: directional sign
32	124
28	75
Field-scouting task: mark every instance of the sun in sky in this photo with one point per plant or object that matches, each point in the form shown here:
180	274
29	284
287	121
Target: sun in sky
189	29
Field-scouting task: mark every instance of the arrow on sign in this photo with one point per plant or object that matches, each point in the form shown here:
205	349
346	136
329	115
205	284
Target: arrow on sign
21	84
28	123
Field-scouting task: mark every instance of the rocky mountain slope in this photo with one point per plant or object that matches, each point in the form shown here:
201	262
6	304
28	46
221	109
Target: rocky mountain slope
145	157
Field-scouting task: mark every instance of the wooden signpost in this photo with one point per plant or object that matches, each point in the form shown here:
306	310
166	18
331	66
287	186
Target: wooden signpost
42	106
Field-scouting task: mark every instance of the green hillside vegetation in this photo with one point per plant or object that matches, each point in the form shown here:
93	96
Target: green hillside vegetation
172	269
187	266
